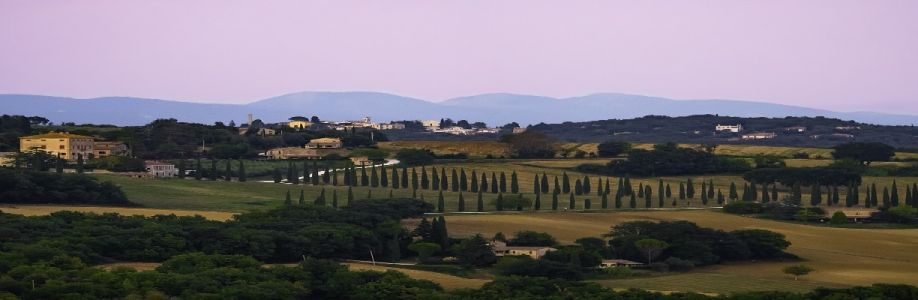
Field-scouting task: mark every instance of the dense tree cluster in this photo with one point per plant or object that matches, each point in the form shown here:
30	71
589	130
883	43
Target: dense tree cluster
668	160
32	187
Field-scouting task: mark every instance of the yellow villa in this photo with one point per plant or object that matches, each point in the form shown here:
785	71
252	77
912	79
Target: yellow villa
299	123
64	145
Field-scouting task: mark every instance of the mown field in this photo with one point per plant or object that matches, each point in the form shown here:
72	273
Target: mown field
840	256
189	194
40	210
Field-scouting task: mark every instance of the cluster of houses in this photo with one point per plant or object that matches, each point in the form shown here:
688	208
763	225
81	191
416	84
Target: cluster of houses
434	126
842	132
500	249
303	123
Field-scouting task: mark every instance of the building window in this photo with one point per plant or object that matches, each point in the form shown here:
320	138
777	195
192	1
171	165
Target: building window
62	147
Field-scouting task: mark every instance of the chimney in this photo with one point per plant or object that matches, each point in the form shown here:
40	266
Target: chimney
250	120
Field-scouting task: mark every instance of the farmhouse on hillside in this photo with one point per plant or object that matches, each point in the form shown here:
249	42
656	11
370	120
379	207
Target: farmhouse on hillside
608	263
728	128
501	249
759	136
160	169
64	145
292	153
324	143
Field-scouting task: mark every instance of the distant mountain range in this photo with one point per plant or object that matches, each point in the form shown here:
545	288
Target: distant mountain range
494	109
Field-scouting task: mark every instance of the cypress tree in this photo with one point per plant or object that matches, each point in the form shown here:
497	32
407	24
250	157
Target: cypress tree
608	187
444	185
242	176
599	189
315	173
414	193
915	193
633	202
302	200
440	202
474	182
347	176
350	195
435	231
690	189
335	199
79	166
557	189
587	204
181	167
618	198
290	173
640	190
425	182
519	202
565	183
849	196
815	195
908	195
277	175
765	196
499	203
586	185
648	195
745	196
835	197
503	183
461	202
374	177
704	188
444	234
774	192
894	198
320	201
661	193
463	181
396	183
669	191
554	201
605	201
480	202
414	179
405	177
229	170
873	195
484	182
493	183
628	188
287	200
213	169
798	193
720	197
514	183
886	201
753	191
704	197
383	178
455	180
681	191
434	179
733	194
621	187
571	202
538	202
544	183
578	188
199	171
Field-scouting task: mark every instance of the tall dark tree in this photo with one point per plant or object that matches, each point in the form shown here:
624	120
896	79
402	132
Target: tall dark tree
335	198
514	183
374	177
229	170
461	202
661	194
711	189
535	184
894	197
306	173
383	177
405	177
396	183
538	202
502	186
815	195
444	233
565	183
682	191
578	187
474	182
181	167
292	174
648	195
640	193
480	202
765	196
425	182
414	179
493	183
774	192
572	204
320	200
499	202
242	175
544	184
302	200
287	200
350	195
199	170
277	175
444	184
720	197
484	183
886	199
213	169
733	194
554	201
586	185
441	205
618	198
463	181
628	188
690	189
434	179
334	177
633	202
79	166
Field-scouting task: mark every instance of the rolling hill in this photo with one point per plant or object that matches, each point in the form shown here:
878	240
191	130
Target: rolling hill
494	109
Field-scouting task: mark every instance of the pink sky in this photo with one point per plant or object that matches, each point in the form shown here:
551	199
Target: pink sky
836	54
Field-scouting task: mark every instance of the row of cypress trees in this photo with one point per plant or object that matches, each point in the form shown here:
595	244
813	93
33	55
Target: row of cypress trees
213	173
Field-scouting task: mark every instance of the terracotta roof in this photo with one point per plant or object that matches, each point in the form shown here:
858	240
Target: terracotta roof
56	135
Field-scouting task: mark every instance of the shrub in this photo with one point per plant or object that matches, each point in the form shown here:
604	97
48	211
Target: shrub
839	218
414	157
679	265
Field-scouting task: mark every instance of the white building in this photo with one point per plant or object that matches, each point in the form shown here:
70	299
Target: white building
759	136
431	124
160	169
729	128
390	126
501	249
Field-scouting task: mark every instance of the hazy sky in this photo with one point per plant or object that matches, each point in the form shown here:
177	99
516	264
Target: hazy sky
840	55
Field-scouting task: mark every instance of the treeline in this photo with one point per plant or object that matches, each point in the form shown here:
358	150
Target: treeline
280	235
34	187
199	276
668	160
